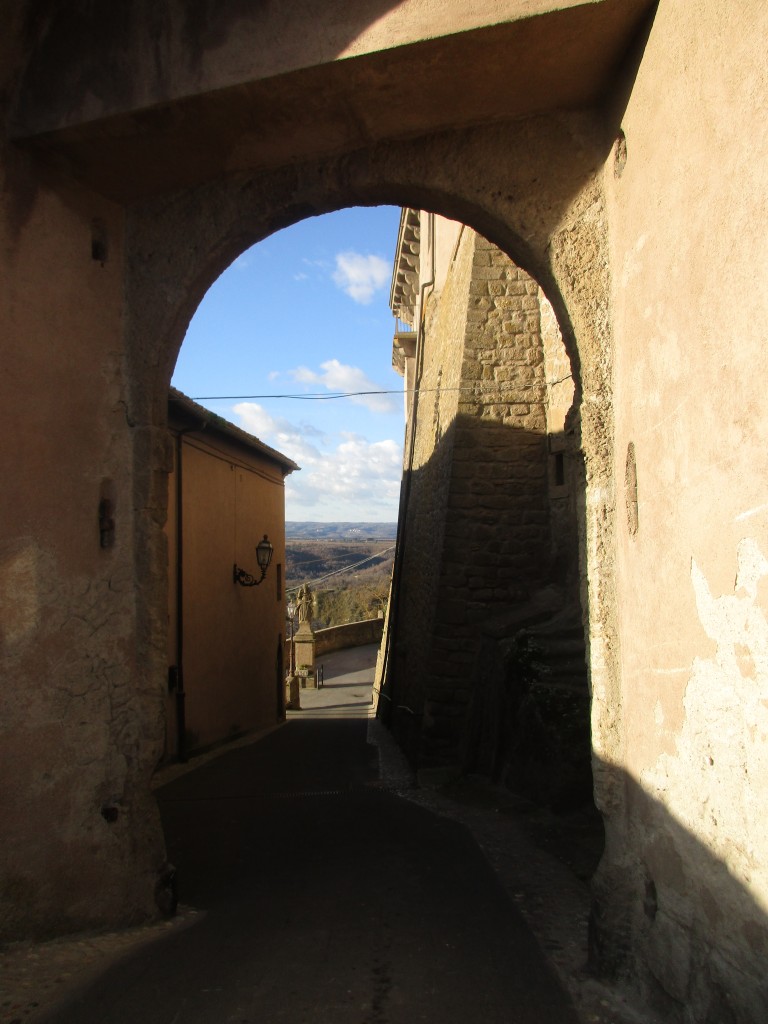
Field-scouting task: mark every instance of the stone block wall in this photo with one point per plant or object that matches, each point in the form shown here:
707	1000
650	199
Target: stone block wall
498	487
479	552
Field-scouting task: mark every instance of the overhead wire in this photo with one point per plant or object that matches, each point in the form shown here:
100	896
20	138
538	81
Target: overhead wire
317	396
344	568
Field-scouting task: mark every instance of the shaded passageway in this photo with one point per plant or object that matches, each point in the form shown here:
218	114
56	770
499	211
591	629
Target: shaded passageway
323	895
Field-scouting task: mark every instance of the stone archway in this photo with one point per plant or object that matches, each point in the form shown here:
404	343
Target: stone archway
545	210
169	176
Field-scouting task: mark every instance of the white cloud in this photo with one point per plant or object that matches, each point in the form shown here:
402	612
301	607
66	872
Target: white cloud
342	478
289	438
338	376
356	480
361	276
256	420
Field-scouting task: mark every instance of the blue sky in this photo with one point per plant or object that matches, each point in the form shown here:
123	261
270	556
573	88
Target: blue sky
306	312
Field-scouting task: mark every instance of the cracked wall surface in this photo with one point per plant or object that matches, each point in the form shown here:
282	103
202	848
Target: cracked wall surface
723	744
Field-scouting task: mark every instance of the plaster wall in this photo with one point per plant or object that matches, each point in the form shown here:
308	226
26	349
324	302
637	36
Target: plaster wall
230	633
185	94
211	47
78	717
687	206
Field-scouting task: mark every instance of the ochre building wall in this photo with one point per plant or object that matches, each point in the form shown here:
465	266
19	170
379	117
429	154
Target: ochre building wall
687	876
226	644
80	718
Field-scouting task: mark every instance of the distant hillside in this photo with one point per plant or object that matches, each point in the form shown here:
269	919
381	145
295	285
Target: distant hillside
349	572
341	531
312	560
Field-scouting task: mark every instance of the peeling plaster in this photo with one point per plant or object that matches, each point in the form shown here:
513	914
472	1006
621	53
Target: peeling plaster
715	782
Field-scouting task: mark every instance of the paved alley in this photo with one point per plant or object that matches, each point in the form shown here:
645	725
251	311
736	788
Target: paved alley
320	895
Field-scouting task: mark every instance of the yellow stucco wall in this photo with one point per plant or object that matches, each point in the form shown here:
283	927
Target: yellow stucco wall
687	211
230	634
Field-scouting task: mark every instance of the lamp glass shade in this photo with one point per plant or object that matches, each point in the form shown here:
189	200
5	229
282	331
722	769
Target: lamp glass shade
264	551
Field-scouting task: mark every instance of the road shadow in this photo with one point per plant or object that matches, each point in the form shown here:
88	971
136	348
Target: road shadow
323	896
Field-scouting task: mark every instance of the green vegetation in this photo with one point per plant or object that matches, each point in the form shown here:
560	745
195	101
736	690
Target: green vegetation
360	593
350	604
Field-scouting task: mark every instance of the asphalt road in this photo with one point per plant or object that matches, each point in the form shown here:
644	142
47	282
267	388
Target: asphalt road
323	896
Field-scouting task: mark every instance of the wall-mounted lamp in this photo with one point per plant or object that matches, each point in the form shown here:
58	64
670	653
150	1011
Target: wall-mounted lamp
264	551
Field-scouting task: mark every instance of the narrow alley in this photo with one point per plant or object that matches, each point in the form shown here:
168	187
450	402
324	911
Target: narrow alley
322	894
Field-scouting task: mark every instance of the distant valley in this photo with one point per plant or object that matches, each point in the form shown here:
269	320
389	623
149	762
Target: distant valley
349	566
340	531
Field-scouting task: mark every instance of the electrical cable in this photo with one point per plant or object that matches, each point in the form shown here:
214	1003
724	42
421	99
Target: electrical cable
317	397
345	568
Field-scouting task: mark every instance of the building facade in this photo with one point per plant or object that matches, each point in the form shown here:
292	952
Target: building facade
225	641
485	655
